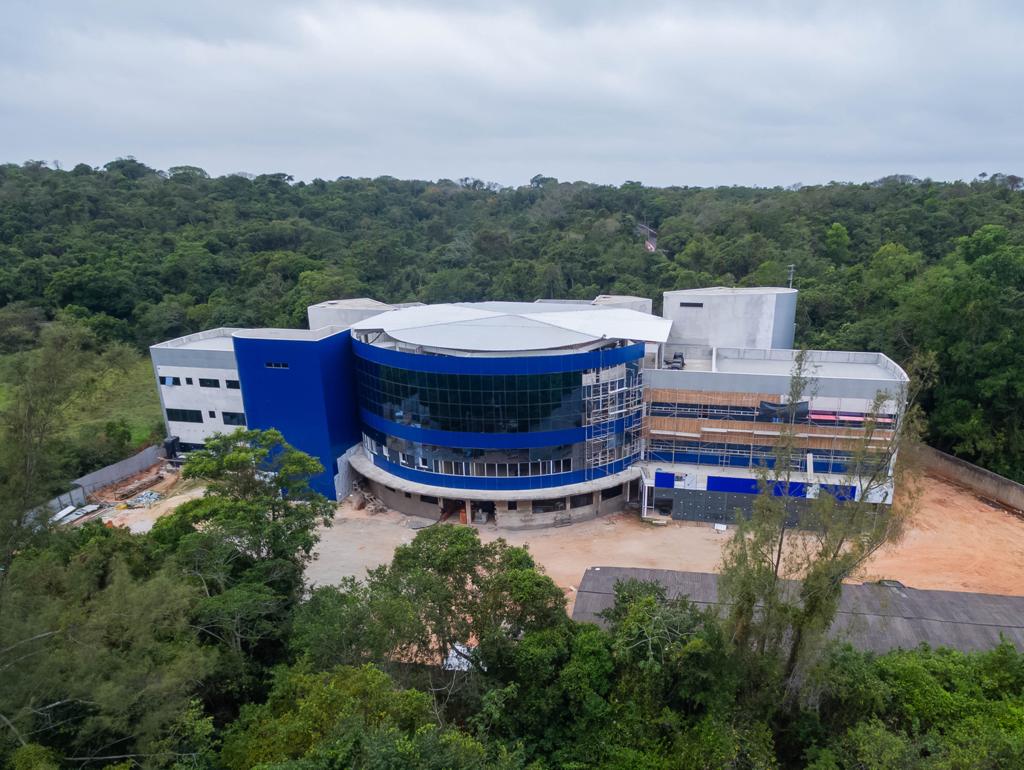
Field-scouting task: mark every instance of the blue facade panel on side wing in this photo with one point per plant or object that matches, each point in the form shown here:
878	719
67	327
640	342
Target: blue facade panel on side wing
538	483
531	440
310	400
664	480
751	487
731	484
571	362
840	492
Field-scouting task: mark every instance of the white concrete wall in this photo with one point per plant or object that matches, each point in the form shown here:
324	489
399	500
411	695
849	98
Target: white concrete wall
206	400
321	315
747	319
522	517
639	304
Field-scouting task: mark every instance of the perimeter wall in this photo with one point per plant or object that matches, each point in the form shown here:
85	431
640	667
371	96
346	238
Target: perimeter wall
984	483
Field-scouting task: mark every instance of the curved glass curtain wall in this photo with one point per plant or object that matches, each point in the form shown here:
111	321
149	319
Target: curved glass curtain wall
471	403
599	409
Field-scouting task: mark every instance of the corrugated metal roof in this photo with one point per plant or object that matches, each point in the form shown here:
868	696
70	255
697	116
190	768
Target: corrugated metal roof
513	326
871	616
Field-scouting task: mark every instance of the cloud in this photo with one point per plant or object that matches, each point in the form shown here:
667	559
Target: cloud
659	92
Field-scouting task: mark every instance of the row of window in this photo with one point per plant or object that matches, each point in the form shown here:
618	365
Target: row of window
203	382
754	456
476	454
465	467
196	415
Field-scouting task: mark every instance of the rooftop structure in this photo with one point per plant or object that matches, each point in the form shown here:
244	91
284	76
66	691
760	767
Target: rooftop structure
344	312
210	340
872	616
745	370
758	317
520	328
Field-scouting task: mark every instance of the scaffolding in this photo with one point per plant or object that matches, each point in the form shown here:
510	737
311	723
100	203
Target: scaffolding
610	395
721	425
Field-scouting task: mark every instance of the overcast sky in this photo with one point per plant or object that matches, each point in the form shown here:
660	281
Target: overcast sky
664	93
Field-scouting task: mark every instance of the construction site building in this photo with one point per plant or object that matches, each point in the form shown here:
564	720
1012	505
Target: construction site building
537	414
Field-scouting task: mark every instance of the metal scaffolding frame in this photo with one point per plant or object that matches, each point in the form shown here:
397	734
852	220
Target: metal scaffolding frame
609	395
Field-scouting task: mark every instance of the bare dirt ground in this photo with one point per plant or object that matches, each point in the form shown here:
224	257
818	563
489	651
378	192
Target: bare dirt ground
175	492
956	542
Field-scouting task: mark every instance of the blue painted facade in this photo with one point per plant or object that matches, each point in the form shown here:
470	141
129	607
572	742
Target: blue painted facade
571	362
750	486
311	400
532	440
469	374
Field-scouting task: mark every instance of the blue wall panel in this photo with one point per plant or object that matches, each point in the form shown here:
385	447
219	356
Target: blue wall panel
840	491
664	480
750	486
572	362
312	402
530	440
730	484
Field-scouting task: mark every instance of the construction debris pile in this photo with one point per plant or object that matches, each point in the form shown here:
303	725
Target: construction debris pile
146	499
144	483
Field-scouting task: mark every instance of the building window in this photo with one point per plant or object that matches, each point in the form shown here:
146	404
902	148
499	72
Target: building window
276	365
428	500
232	384
608	494
204	383
188	380
691	304
580	501
547	506
170	380
512	505
233	418
184	415
212	414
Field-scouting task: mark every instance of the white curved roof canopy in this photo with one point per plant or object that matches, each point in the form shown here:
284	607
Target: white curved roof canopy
514	326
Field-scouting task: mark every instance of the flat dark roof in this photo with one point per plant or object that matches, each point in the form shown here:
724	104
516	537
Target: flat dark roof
872	616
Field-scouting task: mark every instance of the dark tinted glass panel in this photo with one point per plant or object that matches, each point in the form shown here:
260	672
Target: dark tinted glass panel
547	506
472	403
184	415
608	494
233	418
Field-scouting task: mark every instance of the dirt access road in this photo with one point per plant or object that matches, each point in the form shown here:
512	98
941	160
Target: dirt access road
956	542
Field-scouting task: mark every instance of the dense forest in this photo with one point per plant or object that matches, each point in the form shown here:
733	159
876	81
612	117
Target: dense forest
200	645
129	255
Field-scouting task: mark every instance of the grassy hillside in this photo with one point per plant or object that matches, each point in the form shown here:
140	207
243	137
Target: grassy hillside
130	396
